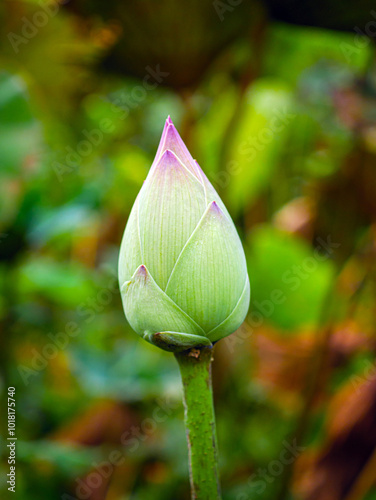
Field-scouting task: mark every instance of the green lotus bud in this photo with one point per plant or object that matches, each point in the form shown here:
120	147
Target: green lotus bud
182	269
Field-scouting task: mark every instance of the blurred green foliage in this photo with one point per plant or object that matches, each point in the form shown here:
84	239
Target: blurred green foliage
282	119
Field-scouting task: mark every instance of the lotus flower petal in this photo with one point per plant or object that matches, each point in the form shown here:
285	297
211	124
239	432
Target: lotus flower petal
182	266
235	318
209	276
149	310
172	141
130	249
171	203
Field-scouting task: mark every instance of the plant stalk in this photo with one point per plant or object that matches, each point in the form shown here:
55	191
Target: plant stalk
195	369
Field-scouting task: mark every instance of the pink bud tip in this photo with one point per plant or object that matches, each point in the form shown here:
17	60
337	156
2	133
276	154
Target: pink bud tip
214	207
142	270
168	160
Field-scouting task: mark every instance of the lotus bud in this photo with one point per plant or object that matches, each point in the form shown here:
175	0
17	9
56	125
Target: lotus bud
182	270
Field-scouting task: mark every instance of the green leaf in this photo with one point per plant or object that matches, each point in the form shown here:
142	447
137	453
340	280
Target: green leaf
20	133
294	49
61	282
290	279
259	138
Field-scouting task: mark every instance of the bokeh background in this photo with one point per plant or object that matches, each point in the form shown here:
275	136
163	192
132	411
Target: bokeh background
277	101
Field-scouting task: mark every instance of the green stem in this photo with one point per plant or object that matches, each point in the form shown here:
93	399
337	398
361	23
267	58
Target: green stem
195	369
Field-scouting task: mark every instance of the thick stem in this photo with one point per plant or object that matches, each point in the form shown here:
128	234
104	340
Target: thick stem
195	369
